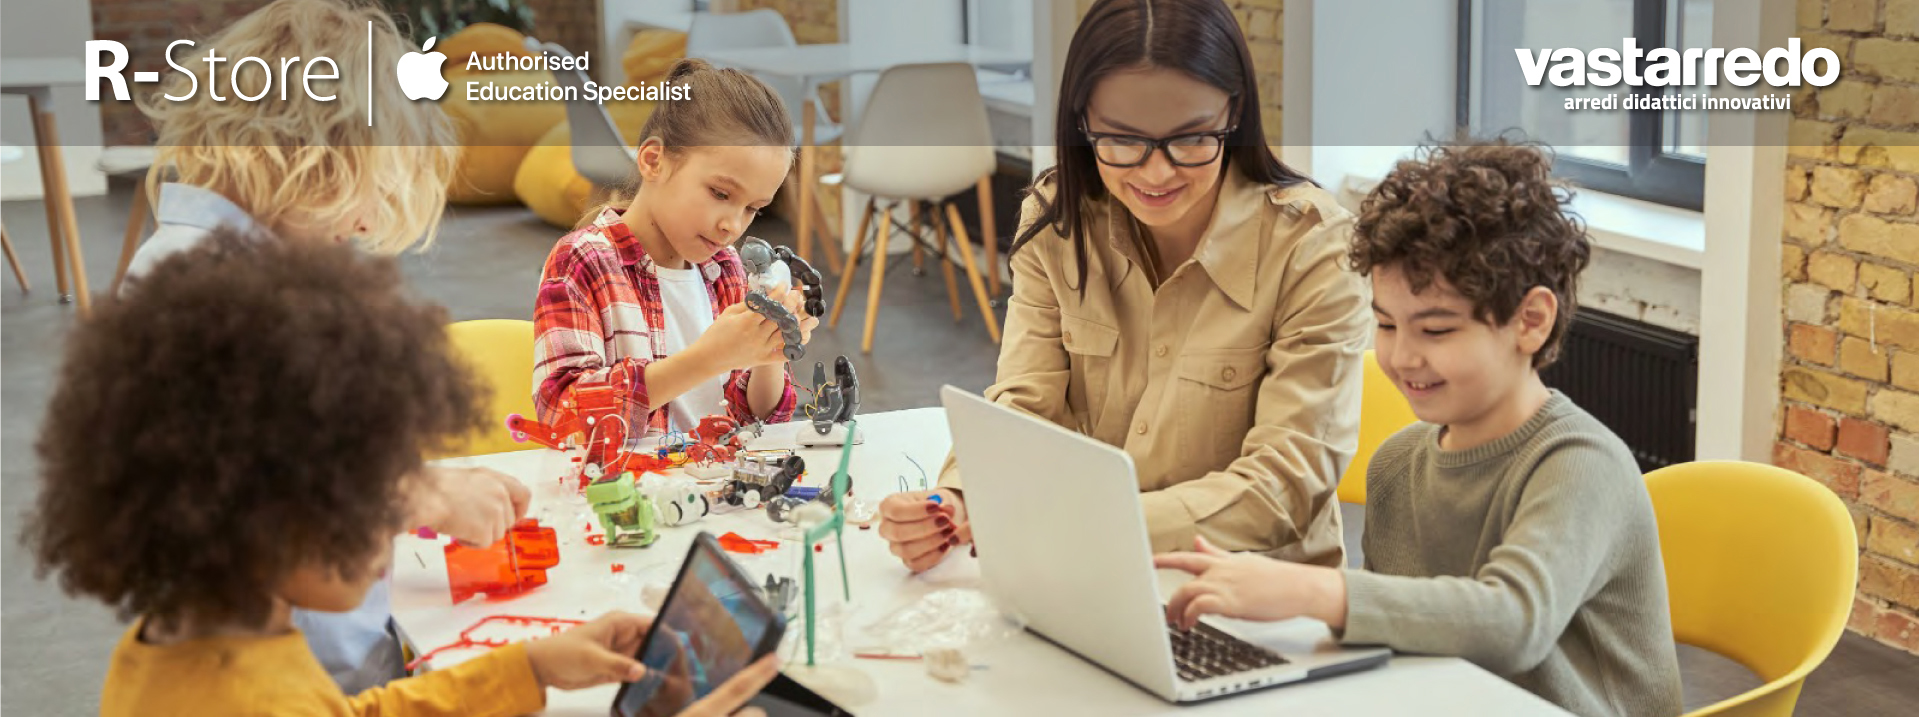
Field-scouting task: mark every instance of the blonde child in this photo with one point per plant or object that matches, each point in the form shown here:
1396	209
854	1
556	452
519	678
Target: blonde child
304	168
651	286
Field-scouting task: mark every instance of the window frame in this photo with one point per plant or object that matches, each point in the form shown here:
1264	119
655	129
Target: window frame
1652	173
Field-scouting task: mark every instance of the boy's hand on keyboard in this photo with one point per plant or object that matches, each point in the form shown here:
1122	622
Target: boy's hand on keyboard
1251	587
473	505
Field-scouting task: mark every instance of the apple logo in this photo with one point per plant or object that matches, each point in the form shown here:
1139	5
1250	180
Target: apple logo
420	73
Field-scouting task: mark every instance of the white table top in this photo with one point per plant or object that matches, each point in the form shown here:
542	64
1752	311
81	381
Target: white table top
31	73
824	62
1023	674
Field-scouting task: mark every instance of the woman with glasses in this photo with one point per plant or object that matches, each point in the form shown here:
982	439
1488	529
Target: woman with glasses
1177	292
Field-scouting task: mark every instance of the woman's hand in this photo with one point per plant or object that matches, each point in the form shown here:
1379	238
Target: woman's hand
1251	587
920	531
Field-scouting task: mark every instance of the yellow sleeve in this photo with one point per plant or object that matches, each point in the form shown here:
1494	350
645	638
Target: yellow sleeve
498	683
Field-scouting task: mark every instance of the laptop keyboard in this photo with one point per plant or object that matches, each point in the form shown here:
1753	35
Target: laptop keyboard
1206	651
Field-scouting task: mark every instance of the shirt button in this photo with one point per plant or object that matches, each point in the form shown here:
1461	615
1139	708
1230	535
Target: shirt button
1161	351
1227	374
1140	428
1068	336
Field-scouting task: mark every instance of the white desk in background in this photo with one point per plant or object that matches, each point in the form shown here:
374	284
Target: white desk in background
813	65
1023	675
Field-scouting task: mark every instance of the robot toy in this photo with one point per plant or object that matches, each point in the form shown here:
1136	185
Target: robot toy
769	267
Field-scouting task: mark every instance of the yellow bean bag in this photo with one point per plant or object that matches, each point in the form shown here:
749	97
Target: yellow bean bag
496	134
546	181
482	38
651	54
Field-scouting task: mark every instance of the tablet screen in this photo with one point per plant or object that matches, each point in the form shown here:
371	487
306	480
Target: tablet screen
712	625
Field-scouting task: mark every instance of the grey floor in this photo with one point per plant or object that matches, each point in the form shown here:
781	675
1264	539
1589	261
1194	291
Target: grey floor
53	649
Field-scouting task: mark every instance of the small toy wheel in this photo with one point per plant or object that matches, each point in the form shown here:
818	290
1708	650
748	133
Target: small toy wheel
512	423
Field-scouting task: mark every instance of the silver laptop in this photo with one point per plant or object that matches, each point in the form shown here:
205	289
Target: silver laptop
1062	543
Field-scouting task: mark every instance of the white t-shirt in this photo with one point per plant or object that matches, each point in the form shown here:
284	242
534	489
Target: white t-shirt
688	312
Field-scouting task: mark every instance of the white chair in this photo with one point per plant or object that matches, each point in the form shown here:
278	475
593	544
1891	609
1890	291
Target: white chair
764	27
594	133
922	138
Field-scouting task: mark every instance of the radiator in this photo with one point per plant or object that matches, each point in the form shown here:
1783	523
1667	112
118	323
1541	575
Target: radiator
1638	379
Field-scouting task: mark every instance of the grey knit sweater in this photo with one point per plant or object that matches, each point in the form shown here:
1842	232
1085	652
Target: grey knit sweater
1535	556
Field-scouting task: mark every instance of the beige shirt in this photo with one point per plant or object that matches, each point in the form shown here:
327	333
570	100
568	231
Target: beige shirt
1234	387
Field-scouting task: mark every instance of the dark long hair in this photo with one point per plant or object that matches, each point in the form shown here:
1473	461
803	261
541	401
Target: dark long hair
1198	37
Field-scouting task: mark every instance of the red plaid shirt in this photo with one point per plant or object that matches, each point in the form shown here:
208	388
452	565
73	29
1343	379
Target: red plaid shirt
599	309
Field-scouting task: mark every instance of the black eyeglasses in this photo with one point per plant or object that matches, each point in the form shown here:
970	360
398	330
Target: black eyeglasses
1195	149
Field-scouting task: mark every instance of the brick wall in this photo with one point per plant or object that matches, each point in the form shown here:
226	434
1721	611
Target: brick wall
575	24
146	27
1849	382
1263	23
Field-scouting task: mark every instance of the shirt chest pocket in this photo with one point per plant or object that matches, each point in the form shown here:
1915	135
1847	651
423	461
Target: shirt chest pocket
1218	393
1090	346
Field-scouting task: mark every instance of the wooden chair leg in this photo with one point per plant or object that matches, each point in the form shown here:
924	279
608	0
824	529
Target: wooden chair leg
13	260
54	235
972	272
53	170
879	279
989	228
852	263
913	212
136	230
829	244
946	264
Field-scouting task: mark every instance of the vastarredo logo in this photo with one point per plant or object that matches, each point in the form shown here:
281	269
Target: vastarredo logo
1667	67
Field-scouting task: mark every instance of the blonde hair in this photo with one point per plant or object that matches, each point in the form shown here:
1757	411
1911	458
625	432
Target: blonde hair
722	107
300	166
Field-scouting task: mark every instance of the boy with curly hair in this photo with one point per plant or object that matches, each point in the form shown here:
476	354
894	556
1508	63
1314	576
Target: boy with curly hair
1508	527
234	441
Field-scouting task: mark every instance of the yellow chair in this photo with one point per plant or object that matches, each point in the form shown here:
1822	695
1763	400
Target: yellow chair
1760	566
1383	412
500	352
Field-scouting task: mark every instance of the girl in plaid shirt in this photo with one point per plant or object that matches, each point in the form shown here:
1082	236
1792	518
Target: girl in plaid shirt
652	287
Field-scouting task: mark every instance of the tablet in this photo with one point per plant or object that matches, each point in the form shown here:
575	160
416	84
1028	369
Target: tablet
713	624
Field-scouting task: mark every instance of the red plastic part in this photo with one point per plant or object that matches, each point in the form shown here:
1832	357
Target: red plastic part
555	625
733	543
512	565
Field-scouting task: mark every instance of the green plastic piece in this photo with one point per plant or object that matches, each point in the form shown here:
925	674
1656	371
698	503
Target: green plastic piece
628	517
835	525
